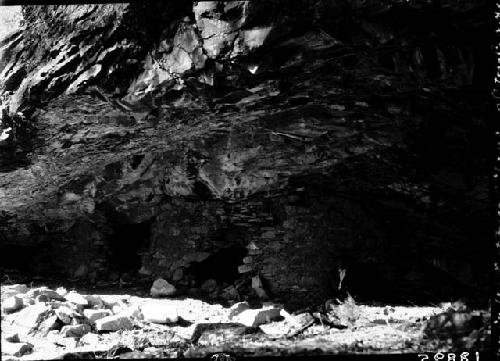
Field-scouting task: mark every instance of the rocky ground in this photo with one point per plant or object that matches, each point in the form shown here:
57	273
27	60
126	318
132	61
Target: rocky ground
43	323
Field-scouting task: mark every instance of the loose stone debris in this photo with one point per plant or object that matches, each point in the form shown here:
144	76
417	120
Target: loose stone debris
124	326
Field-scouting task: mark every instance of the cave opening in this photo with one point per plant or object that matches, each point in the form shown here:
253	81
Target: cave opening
126	245
221	266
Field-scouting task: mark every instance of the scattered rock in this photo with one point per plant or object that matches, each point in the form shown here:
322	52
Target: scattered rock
160	312
12	304
237	308
75	330
162	288
94	315
254	318
77	299
113	323
17	349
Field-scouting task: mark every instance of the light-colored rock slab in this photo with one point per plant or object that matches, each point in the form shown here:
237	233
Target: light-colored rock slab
77	299
254	318
94	315
29	318
113	323
160	312
237	308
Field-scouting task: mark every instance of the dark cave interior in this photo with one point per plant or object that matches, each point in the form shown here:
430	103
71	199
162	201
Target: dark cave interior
126	244
221	266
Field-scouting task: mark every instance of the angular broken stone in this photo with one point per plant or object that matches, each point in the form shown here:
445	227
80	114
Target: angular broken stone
75	330
162	288
12	304
14	337
29	318
65	314
237	308
77	299
51	323
254	318
160	312
94	315
16	349
113	323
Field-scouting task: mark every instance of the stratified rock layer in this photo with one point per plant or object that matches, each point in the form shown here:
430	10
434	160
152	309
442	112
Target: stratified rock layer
224	141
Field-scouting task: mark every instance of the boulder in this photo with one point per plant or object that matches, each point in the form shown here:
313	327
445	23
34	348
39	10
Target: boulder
162	288
16	349
160	312
94	315
113	323
254	318
76	331
12	304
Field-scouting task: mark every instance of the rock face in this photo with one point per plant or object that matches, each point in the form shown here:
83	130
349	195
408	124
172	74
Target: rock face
229	140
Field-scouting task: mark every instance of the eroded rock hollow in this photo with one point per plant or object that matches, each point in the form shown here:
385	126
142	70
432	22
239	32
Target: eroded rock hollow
209	143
